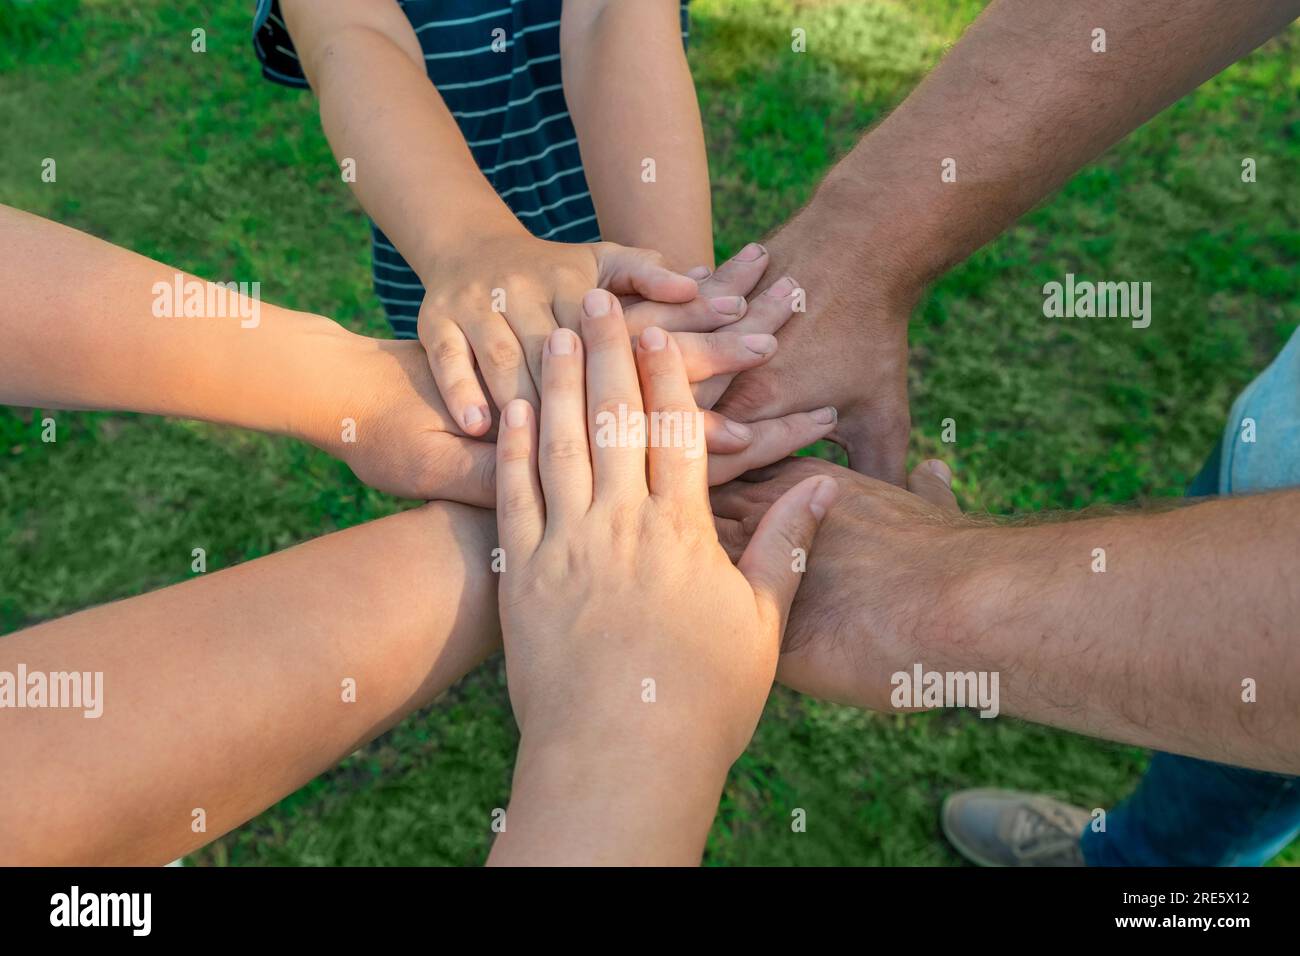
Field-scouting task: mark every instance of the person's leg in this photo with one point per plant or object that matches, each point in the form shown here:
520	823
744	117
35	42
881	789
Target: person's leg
1188	812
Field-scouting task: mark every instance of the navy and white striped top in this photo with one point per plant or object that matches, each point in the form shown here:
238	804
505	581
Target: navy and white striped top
510	108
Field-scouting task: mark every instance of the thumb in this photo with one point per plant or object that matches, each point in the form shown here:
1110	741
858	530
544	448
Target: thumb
876	441
778	552
932	480
625	271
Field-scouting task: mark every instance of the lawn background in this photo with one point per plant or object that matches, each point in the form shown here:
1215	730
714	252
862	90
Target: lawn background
193	159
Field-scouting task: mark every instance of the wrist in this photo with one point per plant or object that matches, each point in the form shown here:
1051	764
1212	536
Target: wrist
322	359
459	247
993	580
616	802
891	231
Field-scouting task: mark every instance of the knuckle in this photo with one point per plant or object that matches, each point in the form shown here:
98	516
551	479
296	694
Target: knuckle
445	351
603	341
676	412
565	449
806	466
623	522
504	354
513	451
516	503
742	400
712	344
664	372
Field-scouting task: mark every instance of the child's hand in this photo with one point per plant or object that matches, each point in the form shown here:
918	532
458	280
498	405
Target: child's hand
494	304
638	656
384	418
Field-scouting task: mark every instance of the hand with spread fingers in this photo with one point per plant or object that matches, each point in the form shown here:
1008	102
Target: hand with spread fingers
638	656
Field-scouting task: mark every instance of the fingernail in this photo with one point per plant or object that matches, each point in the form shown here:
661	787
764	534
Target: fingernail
473	415
759	344
700	272
941	470
653	339
750	252
596	303
561	342
824	416
517	413
728	304
743	432
822	497
781	288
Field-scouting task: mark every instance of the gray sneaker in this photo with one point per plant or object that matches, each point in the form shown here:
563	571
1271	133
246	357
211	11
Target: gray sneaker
1008	828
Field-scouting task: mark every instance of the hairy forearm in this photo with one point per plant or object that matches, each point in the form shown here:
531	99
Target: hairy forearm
415	175
1194	609
98	327
633	104
224	693
1018	105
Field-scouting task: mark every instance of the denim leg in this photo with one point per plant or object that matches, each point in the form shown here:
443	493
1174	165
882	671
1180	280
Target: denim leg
1188	812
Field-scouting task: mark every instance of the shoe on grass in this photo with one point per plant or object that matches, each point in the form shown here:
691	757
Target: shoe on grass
1009	828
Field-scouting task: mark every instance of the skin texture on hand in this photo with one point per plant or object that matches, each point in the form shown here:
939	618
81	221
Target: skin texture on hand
537	286
847	350
885	221
638	656
385	419
1168	644
492	302
371	402
871	598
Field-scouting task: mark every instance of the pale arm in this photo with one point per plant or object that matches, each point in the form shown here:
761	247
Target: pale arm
631	97
81	330
225	693
415	175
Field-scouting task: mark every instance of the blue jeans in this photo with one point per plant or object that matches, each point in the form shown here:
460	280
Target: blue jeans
1188	812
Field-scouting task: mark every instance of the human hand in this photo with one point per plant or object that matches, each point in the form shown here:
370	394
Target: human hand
494	302
380	412
878	596
746	340
850	348
712	357
616	593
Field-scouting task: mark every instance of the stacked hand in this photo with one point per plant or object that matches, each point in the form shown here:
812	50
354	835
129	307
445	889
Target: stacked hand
406	440
880	594
638	656
492	307
849	350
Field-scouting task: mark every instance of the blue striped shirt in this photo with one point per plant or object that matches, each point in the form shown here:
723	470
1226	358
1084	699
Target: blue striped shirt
496	64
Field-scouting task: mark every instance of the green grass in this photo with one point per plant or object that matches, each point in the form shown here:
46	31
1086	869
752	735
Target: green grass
195	160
